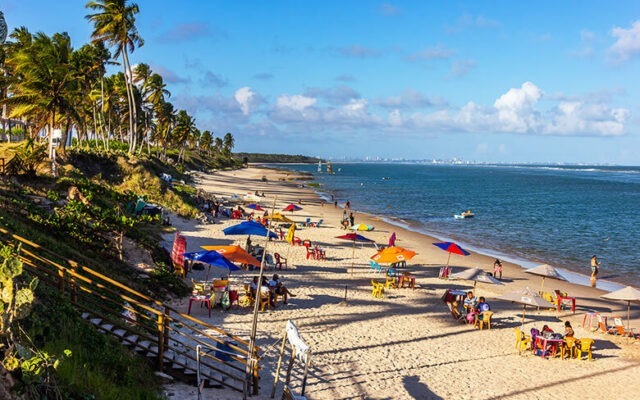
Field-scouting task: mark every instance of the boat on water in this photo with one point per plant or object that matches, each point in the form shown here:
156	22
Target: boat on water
464	214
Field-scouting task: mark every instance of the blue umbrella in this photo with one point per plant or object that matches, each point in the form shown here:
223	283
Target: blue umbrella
249	228
213	259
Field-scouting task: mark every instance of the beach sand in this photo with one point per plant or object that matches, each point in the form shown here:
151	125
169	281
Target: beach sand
406	345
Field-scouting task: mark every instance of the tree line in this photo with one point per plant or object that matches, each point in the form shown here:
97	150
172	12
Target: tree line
49	85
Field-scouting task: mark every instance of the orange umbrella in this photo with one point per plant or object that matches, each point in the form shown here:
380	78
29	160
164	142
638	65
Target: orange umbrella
393	255
235	253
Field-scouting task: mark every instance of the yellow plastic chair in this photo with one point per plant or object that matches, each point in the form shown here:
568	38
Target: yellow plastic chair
198	287
585	346
570	346
523	341
377	290
247	299
485	320
550	298
390	283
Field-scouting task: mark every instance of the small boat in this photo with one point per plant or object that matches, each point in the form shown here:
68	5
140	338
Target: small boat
464	214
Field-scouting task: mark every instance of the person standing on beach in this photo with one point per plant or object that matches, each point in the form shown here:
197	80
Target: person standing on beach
497	269
595	264
351	219
347	205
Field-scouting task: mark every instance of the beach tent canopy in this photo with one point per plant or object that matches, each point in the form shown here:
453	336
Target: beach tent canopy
292	207
526	297
627	294
255	206
393	255
546	271
362	227
475	275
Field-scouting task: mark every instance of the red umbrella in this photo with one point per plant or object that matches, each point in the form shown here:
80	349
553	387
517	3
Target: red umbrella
354	237
256	207
292	207
450	247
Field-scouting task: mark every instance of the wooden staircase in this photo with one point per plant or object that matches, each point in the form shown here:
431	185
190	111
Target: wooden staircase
168	338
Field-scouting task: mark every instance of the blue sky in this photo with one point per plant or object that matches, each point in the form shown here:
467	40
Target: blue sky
498	81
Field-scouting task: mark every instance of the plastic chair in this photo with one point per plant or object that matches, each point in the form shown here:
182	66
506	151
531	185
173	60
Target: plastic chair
482	319
619	329
391	283
317	224
320	254
549	297
377	290
247	300
570	345
585	346
311	253
280	261
265	300
523	342
198	288
375	266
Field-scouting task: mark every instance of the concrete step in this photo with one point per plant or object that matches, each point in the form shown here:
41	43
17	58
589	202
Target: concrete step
120	333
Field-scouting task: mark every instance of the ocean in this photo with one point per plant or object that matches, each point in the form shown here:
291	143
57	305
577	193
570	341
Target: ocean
527	214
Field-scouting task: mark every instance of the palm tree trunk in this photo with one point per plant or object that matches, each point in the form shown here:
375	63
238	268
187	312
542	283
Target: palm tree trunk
129	97
133	118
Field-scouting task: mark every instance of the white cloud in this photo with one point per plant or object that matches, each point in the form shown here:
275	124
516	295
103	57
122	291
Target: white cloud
516	108
244	96
296	102
627	44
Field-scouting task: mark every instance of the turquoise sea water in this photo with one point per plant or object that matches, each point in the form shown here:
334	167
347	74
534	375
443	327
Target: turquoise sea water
534	214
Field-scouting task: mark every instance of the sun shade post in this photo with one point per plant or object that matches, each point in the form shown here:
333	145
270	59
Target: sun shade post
252	362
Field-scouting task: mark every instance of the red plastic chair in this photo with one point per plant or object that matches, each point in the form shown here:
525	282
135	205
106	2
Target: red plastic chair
280	261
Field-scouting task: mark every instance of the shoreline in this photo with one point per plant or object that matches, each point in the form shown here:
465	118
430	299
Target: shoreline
405	345
572	276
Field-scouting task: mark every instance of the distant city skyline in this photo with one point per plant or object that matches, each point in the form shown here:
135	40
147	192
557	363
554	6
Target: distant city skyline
550	82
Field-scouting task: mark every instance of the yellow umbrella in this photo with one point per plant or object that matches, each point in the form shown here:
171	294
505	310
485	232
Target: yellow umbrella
393	255
278	217
235	253
362	227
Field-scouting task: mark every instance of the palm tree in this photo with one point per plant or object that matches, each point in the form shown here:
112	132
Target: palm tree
206	140
114	23
44	82
184	129
228	144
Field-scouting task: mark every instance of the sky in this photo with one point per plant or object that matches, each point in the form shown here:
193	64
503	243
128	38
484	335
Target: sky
484	81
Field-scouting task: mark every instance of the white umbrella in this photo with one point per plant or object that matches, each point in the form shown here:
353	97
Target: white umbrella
546	271
526	297
628	294
475	275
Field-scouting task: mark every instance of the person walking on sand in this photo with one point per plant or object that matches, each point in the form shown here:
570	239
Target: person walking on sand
595	264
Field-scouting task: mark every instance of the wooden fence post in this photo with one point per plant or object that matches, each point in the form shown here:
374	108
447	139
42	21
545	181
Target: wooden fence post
161	333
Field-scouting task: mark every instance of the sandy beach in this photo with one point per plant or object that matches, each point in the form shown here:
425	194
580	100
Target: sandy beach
406	345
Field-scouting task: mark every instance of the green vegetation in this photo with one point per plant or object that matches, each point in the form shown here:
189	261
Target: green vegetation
82	215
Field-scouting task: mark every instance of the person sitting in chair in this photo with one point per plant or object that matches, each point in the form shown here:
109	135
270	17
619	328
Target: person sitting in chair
278	288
